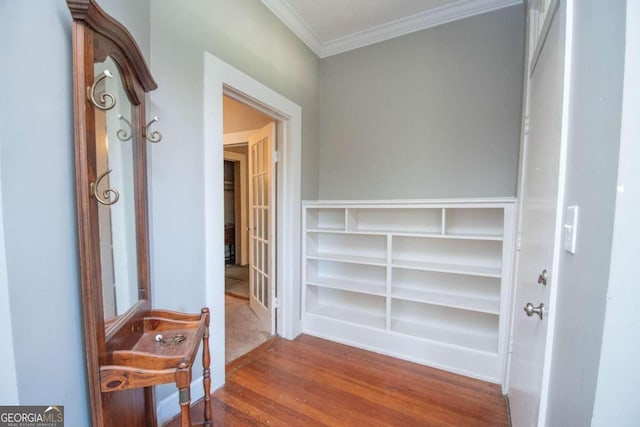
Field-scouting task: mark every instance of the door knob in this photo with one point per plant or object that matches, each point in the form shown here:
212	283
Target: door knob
531	310
542	278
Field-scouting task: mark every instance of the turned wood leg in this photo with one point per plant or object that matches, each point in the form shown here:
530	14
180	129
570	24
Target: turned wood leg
185	407
206	372
183	381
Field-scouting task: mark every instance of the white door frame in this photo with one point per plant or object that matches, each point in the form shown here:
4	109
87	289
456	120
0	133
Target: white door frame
221	79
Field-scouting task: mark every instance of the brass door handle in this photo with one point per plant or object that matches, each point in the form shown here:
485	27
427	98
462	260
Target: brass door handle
530	309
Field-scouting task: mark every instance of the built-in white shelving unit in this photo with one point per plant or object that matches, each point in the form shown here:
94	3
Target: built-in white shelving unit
427	281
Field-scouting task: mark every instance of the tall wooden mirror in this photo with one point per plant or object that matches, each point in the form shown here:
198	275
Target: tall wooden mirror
130	347
110	81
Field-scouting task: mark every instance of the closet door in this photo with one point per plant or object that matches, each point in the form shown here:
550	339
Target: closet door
540	228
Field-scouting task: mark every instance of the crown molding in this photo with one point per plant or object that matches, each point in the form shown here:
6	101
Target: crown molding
431	18
300	28
421	21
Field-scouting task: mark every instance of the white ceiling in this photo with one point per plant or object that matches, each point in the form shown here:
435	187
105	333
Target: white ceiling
329	27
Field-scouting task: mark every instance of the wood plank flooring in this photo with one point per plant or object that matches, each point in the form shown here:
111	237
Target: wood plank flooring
314	382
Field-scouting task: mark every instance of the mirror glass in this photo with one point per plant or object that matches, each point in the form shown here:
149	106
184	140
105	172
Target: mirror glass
115	192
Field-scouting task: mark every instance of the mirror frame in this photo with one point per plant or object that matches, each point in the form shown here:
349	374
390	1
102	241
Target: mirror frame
96	35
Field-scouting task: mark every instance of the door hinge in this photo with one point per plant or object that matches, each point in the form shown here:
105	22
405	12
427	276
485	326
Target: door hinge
275	157
518	241
510	346
276	304
526	125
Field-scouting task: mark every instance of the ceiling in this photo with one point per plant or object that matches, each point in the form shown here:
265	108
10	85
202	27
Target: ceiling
330	27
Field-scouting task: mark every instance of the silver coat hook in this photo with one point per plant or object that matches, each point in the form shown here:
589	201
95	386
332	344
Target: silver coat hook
154	136
123	134
107	101
106	194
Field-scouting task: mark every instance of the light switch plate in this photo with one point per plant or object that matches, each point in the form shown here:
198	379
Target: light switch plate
570	229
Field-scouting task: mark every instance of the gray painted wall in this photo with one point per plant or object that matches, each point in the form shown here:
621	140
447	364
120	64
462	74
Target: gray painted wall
136	16
616	401
245	34
38	199
594	128
8	380
432	114
39	207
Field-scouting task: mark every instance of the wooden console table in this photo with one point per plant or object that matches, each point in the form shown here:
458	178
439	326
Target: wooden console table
161	348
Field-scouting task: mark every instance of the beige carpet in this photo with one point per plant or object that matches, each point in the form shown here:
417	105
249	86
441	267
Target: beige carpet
236	280
244	331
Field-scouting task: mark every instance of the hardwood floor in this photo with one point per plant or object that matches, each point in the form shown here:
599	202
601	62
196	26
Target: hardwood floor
314	382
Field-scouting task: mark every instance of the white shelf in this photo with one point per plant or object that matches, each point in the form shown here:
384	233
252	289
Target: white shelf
348	306
449	268
350	248
326	230
433	235
426	281
453	337
349	285
473	221
477	331
464	256
369	279
349	315
468	292
413	220
349	258
473	236
326	219
482	305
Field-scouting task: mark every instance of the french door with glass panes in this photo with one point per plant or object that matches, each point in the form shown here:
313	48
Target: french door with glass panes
261	220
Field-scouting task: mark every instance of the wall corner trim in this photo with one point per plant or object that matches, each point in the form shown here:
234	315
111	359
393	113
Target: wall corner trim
450	12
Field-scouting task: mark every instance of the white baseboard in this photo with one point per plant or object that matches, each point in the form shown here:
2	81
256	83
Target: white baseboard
169	407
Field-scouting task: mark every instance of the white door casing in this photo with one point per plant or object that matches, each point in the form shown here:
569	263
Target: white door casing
220	79
261	201
542	194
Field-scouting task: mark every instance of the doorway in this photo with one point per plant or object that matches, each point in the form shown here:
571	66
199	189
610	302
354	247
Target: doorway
221	78
249	227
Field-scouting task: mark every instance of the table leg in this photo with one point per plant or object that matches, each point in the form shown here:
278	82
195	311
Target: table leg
206	372
185	407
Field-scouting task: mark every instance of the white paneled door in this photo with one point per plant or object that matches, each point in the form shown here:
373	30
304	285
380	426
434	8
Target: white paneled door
261	202
543	174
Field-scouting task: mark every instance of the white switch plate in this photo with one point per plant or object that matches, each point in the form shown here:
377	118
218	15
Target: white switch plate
570	229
